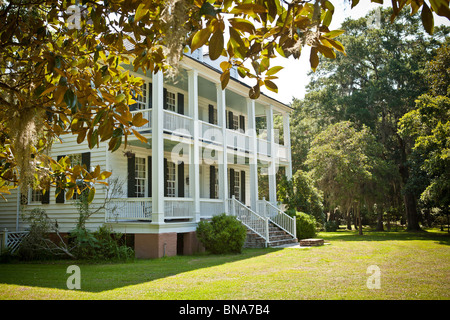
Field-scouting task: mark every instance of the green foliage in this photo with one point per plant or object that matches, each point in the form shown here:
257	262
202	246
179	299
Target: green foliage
103	244
428	126
331	226
300	194
36	245
306	225
224	234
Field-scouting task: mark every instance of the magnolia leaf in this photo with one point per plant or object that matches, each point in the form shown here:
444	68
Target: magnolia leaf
334	33
427	19
91	195
216	45
140	12
273	70
314	59
224	79
271	86
139	136
200	39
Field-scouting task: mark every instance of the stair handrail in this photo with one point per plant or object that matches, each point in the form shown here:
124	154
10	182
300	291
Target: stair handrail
253	221
282	220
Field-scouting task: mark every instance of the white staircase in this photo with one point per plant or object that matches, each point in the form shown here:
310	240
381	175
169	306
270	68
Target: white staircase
268	228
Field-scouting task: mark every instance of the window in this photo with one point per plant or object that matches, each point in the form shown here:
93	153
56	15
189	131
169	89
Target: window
36	196
237	186
235	122
216	185
170	101
171	179
140	177
76	160
141	100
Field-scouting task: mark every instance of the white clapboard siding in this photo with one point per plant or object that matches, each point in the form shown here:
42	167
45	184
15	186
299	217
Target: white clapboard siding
65	214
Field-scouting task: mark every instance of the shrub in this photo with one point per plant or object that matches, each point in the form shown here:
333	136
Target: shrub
331	226
102	244
306	225
224	234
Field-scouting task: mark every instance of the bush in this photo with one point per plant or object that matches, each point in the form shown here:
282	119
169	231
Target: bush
306	225
102	244
331	226
224	234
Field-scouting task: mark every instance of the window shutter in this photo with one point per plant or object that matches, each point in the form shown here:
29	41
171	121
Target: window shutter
131	188
150	95
212	182
243	186
180	101
165	98
242	123
181	180
211	114
166	178
149	175
46	196
231	182
86	160
230	120
60	197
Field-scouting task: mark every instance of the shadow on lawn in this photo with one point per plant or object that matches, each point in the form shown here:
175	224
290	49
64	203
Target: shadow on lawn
371	235
103	277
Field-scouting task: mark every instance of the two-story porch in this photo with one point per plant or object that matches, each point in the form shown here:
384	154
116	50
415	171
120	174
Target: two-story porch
204	148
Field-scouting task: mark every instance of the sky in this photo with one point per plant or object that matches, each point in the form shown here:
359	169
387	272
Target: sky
294	77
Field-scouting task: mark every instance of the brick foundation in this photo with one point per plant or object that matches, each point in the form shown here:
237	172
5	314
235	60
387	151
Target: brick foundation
148	246
151	246
191	244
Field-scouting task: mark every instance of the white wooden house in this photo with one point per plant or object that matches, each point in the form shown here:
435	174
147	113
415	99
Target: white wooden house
202	158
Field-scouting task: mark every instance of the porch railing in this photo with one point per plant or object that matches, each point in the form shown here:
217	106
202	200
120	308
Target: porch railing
11	240
277	216
129	209
252	220
178	208
211	207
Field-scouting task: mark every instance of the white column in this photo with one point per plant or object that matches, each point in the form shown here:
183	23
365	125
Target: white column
253	153
223	165
273	156
157	148
194	170
287	143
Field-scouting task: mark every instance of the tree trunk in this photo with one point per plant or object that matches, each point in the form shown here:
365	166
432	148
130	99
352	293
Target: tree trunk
349	221
380	220
359	221
412	221
408	198
388	224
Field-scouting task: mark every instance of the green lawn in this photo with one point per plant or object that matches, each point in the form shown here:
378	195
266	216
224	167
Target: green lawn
412	266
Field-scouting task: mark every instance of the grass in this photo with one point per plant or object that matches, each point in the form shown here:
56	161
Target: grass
412	266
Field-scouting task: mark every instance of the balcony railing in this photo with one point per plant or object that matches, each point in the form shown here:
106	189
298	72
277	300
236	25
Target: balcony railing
177	123
182	125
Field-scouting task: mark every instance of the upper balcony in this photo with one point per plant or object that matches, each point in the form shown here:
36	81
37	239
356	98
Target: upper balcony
178	120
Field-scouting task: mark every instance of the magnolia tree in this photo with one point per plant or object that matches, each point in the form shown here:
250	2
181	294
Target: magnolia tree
60	66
